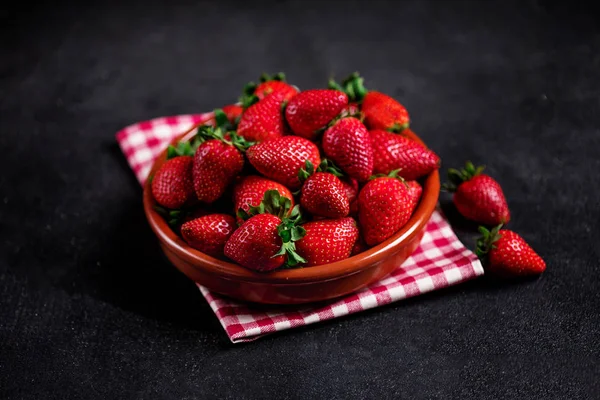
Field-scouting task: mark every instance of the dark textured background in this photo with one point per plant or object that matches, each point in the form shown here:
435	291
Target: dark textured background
89	309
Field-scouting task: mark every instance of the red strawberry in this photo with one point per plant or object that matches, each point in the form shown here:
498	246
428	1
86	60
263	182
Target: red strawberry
414	192
216	163
477	196
311	110
263	120
392	151
172	185
351	187
348	144
359	246
268	85
249	191
384	206
323	193
327	241
380	110
209	233
266	241
281	159
506	254
233	112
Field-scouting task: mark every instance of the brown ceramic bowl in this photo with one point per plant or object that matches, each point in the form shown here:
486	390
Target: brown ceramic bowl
293	286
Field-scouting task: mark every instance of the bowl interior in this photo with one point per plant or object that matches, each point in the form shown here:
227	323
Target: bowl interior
228	270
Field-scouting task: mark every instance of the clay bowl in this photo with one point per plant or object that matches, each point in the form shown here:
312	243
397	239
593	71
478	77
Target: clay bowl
293	286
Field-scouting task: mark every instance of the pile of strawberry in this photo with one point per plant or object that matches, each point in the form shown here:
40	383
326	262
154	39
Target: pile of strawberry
290	178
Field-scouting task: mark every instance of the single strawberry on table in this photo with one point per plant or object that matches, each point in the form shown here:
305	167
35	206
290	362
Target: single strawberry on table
172	185
263	120
348	144
477	196
250	190
384	206
310	111
392	151
266	240
217	162
506	254
281	159
209	233
380	110
323	193
327	241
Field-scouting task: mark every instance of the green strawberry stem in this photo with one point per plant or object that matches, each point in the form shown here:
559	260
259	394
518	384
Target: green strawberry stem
456	177
248	97
280	76
272	203
486	242
306	172
398	128
184	148
352	86
208	133
173	217
392	174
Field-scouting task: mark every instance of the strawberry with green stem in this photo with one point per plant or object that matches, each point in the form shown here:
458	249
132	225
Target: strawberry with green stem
268	84
250	190
263	120
380	110
477	197
323	193
209	233
217	161
266	240
309	112
506	254
327	241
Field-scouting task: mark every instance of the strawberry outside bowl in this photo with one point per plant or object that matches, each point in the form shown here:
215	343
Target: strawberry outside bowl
293	286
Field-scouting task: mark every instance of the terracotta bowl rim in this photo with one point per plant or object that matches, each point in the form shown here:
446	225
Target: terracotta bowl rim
336	270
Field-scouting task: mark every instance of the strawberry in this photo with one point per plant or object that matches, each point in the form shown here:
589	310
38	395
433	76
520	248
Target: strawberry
380	110
209	233
263	120
310	111
216	163
327	241
267	239
172	185
323	193
233	112
281	159
392	151
384	206
250	190
477	196
351	187
414	192
506	254
348	144
359	246
268	84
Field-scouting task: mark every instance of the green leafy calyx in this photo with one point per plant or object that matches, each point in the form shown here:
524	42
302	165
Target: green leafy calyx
456	177
231	138
486	241
184	148
352	86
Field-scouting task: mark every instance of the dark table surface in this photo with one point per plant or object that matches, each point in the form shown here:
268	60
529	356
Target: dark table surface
89	309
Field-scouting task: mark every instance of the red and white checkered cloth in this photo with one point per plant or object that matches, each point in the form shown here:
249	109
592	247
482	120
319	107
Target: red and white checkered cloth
441	259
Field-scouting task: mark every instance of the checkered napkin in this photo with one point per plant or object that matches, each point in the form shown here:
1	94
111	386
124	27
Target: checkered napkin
441	259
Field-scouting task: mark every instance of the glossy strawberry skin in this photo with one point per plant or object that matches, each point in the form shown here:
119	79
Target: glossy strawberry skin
511	256
254	243
327	241
481	199
216	164
281	159
392	151
351	187
250	191
414	192
348	144
384	206
324	194
284	90
209	233
263	120
383	112
233	111
311	110
173	185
